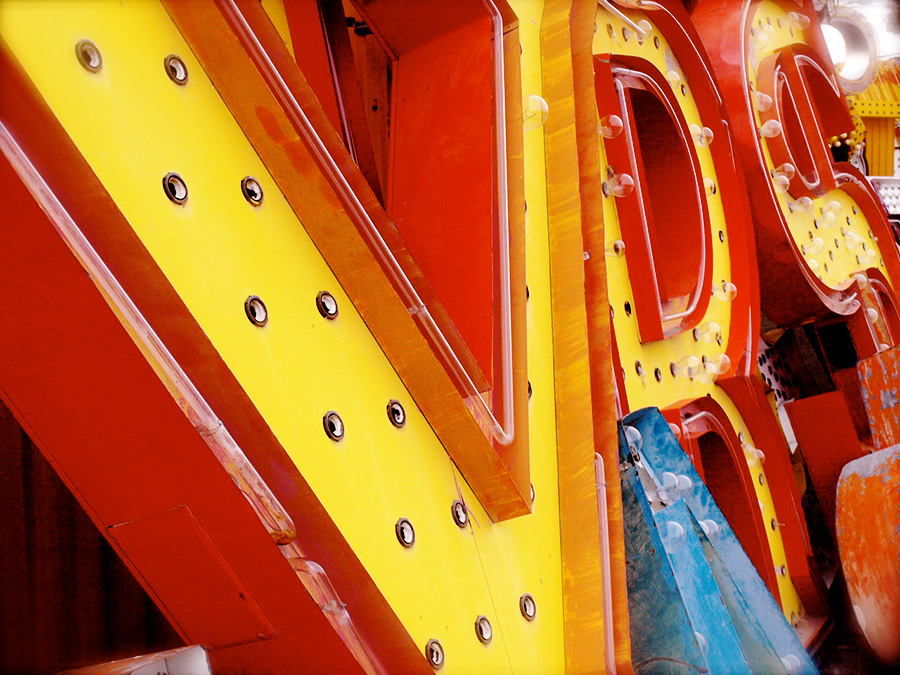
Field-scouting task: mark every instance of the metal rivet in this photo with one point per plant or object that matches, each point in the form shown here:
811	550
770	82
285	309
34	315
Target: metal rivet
782	570
256	310
252	190
530	391
774	524
683	90
176	70
672	368
396	413
175	188
722	236
434	652
532	493
657	373
762	479
405	532
327	305
656	42
460	513
483	630
334	425
528	607
638	368
89	56
627	308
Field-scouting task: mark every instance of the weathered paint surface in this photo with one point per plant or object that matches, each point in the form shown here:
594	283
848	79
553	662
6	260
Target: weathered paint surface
868	533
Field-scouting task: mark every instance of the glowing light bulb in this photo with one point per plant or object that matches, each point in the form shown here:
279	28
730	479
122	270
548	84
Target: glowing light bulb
611	126
619	185
536	112
871	314
615	249
861	280
813	265
675	429
826	221
803	205
814	247
867	257
687	365
798	20
673	77
758	38
724	291
768	29
710	186
762	101
707	332
770	129
781	184
852	240
883	346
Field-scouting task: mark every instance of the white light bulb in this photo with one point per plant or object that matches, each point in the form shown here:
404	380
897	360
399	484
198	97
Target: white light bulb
724	291
770	129
536	112
611	126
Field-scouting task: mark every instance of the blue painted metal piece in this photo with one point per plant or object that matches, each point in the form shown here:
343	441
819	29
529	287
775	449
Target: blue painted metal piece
755	645
700	592
661	452
662	636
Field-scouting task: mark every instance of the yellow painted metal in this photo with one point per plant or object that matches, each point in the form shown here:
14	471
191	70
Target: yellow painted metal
880	143
134	125
846	242
645	390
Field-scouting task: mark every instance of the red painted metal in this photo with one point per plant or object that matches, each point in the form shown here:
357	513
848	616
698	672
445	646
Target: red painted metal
665	220
749	396
792	294
78	384
827	438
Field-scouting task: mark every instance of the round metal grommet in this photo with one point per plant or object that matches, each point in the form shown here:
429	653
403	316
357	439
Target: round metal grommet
176	69
89	56
484	630
175	188
532	493
327	305
528	607
256	310
396	413
405	532
334	425
460	513
434	652
252	190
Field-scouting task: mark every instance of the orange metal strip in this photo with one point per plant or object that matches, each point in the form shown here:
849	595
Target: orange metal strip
586	413
207	28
